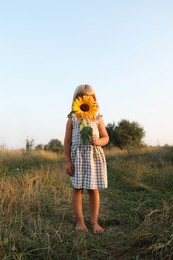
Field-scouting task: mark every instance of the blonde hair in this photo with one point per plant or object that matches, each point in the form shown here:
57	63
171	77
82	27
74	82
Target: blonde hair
82	90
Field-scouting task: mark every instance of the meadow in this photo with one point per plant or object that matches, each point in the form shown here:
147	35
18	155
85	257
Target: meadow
36	217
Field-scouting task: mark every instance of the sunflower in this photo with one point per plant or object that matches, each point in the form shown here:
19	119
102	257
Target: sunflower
85	106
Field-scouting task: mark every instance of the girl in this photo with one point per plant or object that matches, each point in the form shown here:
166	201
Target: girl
86	163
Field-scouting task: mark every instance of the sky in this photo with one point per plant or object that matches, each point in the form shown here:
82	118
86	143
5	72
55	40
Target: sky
124	49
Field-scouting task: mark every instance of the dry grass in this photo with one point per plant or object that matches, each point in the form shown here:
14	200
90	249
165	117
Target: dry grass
36	218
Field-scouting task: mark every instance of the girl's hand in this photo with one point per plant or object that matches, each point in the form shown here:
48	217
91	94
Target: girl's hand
69	169
94	139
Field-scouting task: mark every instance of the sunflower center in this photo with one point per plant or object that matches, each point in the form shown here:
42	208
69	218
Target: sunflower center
85	107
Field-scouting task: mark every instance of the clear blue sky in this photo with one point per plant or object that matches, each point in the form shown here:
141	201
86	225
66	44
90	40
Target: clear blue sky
124	49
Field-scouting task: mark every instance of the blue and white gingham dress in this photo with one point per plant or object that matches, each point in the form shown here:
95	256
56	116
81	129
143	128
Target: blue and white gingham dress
90	169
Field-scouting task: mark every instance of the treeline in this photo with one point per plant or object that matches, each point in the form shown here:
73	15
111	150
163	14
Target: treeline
125	134
54	146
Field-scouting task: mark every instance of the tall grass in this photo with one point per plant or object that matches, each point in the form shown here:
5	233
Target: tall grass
36	218
141	184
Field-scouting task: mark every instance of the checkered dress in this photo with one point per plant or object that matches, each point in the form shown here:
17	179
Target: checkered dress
88	160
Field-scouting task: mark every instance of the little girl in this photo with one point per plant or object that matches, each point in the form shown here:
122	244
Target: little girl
86	163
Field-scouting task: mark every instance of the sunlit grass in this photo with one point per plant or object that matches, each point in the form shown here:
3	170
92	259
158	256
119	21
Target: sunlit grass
36	217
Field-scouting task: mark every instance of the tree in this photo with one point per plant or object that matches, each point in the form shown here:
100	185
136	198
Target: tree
39	147
29	144
111	132
54	145
126	134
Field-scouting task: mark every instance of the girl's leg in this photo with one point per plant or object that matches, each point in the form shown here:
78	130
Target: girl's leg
94	198
77	206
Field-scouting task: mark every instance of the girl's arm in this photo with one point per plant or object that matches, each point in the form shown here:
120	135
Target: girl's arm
67	148
104	137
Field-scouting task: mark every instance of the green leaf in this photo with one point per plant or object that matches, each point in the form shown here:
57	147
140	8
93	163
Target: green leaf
70	114
86	133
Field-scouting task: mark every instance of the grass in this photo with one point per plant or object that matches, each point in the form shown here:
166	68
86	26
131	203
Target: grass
36	218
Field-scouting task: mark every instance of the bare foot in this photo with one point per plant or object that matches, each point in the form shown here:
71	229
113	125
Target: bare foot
80	226
97	229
